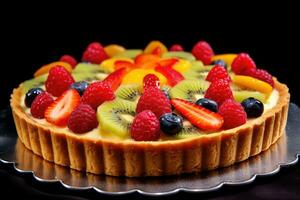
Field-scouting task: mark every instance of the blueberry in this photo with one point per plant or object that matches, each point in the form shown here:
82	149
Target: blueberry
80	86
208	104
253	107
170	123
31	94
220	62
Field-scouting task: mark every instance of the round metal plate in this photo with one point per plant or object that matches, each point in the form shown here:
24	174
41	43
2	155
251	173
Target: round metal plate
285	152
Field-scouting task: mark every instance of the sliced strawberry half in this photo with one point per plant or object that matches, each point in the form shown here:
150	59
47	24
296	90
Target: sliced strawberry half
123	64
198	116
172	75
60	110
114	79
169	62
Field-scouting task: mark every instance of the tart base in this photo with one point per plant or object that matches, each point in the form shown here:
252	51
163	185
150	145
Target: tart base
134	159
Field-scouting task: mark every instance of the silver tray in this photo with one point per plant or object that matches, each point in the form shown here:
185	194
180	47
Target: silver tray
284	153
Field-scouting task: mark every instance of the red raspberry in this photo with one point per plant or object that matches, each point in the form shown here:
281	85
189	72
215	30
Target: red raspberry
83	119
58	81
145	127
233	114
219	91
176	47
242	63
94	53
262	75
203	51
40	104
150	80
69	59
155	100
96	93
218	72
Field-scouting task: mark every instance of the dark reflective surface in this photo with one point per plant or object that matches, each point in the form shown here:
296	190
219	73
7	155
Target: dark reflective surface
284	152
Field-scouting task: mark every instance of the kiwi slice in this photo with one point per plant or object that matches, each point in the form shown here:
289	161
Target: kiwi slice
188	131
180	55
35	82
130	92
88	72
239	96
197	71
165	87
115	117
88	68
190	90
89	76
129	53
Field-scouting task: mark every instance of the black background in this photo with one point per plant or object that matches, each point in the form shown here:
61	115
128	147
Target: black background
271	38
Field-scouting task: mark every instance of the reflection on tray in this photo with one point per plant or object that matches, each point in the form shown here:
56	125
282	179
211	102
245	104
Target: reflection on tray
264	162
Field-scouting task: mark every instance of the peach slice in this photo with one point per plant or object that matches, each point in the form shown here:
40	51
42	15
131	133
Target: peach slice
253	84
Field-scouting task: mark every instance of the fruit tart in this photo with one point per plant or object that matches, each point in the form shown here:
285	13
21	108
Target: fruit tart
150	112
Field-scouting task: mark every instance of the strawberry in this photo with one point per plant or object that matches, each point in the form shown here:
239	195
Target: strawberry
262	75
58	81
218	72
203	51
145	127
69	59
94	53
114	79
219	91
59	111
172	75
150	80
40	104
155	100
83	119
197	115
97	93
242	63
233	114
176	47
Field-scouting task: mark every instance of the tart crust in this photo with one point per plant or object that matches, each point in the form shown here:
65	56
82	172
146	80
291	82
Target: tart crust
134	159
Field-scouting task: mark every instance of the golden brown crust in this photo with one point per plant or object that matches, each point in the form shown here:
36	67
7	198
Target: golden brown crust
130	158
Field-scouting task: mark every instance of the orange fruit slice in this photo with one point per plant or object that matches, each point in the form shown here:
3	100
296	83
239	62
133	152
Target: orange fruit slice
156	48
253	84
46	68
109	64
146	58
113	49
